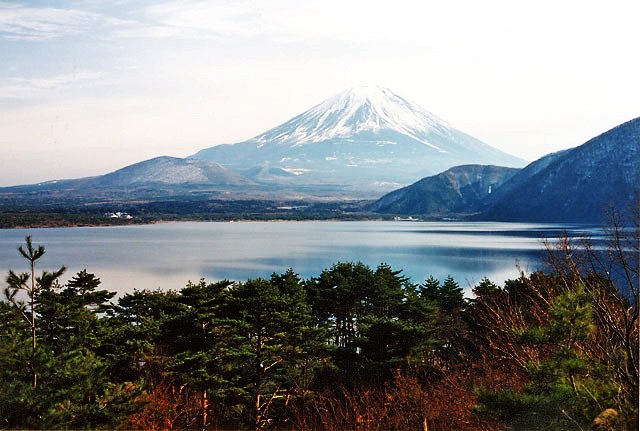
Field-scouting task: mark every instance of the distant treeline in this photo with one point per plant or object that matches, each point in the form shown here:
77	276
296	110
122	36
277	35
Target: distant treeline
48	219
59	214
353	348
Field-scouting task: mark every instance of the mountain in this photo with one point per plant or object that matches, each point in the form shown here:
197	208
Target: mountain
170	171
159	177
576	185
522	176
457	191
367	138
358	144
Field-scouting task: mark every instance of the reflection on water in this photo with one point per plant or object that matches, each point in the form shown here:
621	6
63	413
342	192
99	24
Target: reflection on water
167	255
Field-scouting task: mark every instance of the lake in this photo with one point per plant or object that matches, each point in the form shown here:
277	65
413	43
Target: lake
167	255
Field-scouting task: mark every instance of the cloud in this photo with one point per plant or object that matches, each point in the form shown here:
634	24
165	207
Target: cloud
19	22
188	20
281	21
193	19
23	88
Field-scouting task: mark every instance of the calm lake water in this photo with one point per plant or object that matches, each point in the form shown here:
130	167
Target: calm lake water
167	255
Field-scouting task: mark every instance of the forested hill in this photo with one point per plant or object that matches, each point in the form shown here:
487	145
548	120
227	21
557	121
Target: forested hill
458	191
576	185
351	348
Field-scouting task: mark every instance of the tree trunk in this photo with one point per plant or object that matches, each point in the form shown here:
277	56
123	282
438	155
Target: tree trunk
205	407
33	324
258	417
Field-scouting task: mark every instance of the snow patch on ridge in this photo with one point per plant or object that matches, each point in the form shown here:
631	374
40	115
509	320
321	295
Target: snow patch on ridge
296	171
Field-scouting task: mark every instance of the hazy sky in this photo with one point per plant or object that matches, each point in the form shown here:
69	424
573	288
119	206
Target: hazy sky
89	86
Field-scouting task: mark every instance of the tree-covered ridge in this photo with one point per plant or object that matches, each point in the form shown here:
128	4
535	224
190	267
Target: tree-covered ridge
353	348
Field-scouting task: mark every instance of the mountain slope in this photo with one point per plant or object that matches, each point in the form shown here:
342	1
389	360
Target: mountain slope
459	190
170	170
576	185
367	137
160	177
521	177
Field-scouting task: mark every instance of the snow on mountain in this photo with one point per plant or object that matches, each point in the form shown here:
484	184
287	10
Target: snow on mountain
359	109
578	185
360	143
365	138
170	170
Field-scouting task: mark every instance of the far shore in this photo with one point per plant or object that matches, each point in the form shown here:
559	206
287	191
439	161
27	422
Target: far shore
134	222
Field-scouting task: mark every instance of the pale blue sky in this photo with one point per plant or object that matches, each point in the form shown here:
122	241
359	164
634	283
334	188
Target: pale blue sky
90	86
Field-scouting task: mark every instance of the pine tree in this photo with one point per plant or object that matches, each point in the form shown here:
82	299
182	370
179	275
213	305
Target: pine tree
274	340
448	297
30	284
201	337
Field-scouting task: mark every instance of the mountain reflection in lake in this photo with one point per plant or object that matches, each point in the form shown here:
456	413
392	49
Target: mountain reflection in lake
167	255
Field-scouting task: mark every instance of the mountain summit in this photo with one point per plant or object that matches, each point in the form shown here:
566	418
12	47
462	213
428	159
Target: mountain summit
360	143
366	138
361	109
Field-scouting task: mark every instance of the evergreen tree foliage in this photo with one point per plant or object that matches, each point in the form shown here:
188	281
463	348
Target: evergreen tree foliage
52	375
28	283
377	319
136	335
272	324
448	298
201	338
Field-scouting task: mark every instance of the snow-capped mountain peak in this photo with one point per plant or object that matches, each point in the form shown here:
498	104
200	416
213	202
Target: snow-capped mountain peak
363	137
363	108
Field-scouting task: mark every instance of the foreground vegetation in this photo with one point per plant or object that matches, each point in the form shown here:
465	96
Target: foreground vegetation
353	348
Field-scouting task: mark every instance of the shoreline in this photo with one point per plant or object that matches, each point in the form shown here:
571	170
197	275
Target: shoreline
196	220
